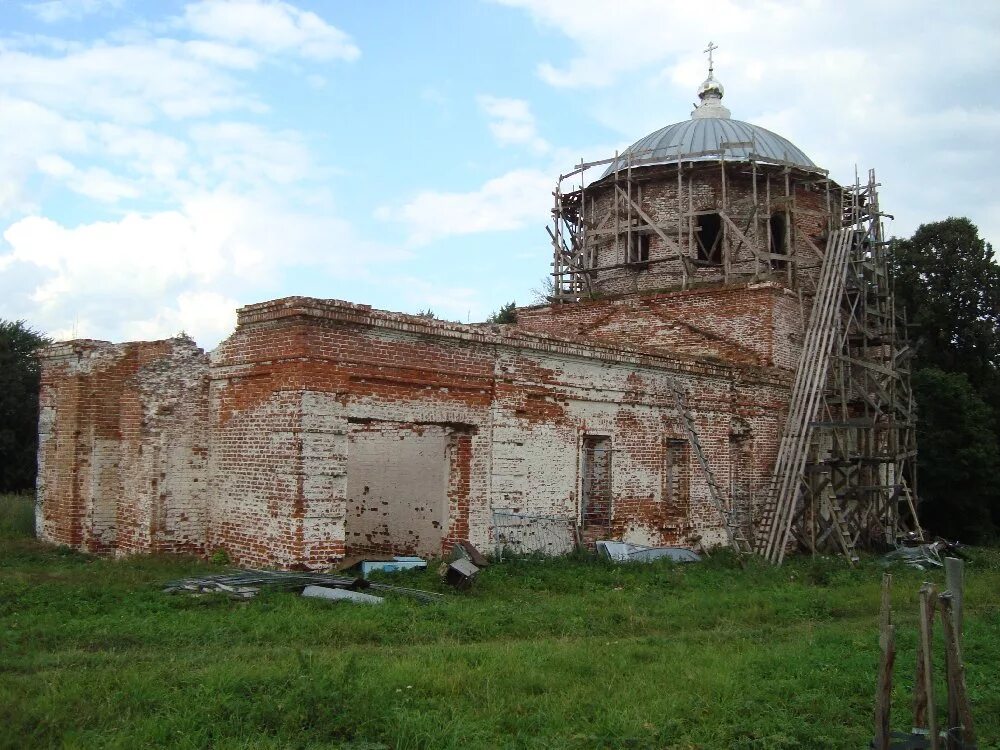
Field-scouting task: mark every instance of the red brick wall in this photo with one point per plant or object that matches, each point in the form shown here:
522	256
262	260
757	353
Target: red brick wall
122	444
258	466
655	191
754	324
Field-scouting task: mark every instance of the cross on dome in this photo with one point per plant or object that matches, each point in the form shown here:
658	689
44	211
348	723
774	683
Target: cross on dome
711	91
712	46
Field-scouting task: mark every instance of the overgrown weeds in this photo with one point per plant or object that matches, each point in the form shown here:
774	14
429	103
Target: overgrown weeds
542	653
17	516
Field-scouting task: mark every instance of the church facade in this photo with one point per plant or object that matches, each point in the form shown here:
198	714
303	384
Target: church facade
653	386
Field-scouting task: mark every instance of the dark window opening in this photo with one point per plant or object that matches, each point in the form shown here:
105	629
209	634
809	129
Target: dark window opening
638	248
595	497
676	493
709	237
776	231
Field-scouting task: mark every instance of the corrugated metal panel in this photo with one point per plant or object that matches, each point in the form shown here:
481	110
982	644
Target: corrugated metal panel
702	139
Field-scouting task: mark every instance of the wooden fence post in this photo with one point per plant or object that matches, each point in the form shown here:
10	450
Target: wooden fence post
887	647
925	690
959	710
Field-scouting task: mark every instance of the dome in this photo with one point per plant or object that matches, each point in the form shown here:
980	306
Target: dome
710	86
711	135
709	139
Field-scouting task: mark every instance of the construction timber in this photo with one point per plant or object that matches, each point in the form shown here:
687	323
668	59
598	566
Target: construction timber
744	251
845	476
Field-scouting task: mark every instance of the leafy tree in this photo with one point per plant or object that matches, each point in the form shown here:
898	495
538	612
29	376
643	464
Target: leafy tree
959	478
949	283
19	381
506	314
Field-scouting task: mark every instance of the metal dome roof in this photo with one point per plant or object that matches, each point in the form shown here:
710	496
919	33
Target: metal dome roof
710	135
711	139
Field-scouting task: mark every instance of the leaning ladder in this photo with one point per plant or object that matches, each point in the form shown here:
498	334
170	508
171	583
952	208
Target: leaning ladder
737	539
785	486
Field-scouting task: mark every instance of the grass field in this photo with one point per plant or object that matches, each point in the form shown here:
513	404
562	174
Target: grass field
569	653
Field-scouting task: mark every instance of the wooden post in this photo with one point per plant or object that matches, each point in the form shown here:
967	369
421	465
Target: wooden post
927	603
887	646
954	581
920	681
959	710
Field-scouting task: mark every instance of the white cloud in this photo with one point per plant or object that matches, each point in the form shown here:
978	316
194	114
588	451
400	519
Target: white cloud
272	26
802	70
127	83
53	11
512	122
151	274
459	304
203	315
244	153
503	203
95	182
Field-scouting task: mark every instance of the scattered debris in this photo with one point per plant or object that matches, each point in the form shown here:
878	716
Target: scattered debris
464	548
246	584
460	573
393	565
322	592
353	561
923	556
625	552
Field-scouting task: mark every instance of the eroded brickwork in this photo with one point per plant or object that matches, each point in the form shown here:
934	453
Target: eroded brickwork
322	428
800	201
123	446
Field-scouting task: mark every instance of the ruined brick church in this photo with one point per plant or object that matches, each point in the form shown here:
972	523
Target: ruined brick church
652	399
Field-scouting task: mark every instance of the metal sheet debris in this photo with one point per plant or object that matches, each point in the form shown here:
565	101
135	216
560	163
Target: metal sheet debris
460	573
625	552
344	595
922	556
394	565
245	584
466	549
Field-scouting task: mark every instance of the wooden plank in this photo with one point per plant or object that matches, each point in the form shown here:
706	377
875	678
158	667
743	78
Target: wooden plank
660	233
742	237
954	570
920	681
887	647
958	696
927	604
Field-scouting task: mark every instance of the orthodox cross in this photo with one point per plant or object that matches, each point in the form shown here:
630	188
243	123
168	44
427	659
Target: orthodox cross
710	49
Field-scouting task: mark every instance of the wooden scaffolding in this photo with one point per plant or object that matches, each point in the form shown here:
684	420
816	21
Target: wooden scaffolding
845	475
581	222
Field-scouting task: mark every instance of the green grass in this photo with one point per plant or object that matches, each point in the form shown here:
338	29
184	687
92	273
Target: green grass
17	516
542	654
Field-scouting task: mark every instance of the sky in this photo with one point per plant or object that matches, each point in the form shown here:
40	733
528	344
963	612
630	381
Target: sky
163	163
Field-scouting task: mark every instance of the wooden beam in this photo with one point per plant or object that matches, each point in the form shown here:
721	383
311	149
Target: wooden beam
887	648
670	244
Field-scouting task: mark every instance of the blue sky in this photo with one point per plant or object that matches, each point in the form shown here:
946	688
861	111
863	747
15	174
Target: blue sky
163	163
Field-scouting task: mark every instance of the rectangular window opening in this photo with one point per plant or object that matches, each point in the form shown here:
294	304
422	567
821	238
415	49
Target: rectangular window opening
776	231
638	248
676	474
595	469
709	238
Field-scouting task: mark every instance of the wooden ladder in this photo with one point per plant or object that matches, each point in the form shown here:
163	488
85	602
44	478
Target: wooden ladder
785	487
737	539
